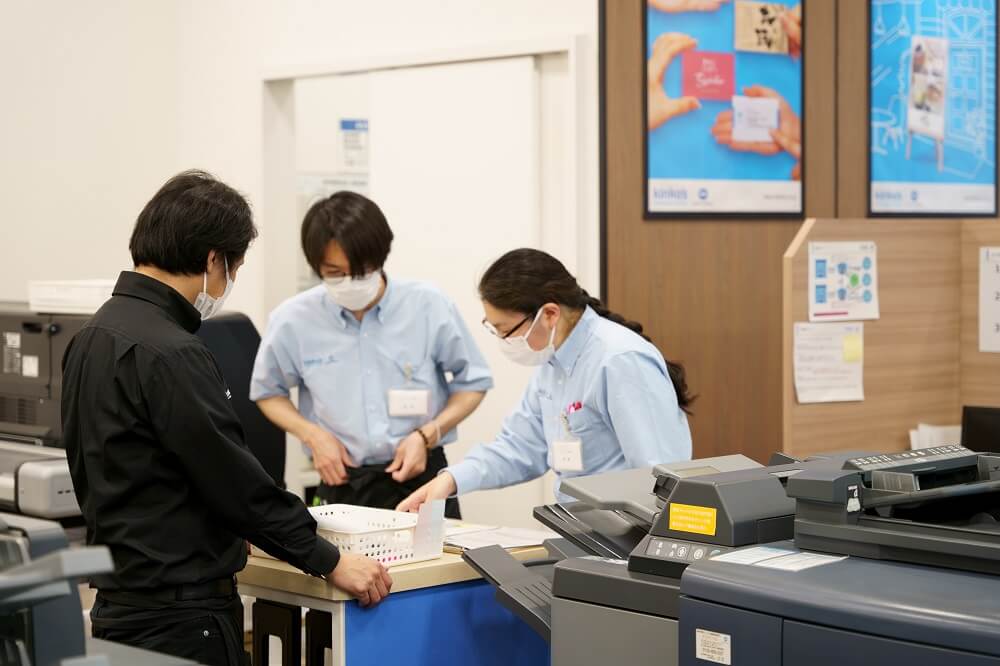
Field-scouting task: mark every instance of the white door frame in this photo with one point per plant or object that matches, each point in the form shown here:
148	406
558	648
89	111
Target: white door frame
278	186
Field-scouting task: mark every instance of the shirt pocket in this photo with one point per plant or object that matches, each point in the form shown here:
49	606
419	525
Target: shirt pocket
585	421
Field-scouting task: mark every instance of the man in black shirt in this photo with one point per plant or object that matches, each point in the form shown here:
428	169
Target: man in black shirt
157	454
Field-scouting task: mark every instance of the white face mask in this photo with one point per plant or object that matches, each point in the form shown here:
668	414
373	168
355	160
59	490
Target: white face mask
354	293
209	306
518	350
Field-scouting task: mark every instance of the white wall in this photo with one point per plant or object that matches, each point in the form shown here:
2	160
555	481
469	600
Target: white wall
105	99
225	45
87	132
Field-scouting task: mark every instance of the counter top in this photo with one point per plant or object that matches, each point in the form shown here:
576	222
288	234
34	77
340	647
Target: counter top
264	572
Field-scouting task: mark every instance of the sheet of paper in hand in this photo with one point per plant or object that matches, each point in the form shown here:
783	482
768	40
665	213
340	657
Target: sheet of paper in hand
707	75
759	28
754	118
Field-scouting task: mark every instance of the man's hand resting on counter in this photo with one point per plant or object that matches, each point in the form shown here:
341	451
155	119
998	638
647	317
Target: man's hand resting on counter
361	577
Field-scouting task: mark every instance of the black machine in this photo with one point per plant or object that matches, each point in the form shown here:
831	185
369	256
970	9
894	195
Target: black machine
895	560
980	428
31	350
233	340
638	531
937	506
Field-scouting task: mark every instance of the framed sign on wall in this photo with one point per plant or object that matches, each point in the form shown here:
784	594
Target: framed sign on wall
723	108
932	101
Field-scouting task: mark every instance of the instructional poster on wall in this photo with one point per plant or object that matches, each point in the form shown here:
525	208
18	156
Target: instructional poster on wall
723	107
989	299
829	362
932	141
843	281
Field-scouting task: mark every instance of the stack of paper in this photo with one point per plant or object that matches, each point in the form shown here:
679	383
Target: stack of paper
927	436
467	537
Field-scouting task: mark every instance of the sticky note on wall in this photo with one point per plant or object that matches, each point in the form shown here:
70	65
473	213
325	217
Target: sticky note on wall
854	348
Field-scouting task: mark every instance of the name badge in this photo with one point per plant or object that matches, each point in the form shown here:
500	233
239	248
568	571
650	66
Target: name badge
409	402
567	455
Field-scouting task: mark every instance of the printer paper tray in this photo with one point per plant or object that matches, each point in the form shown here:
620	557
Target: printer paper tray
521	587
598	531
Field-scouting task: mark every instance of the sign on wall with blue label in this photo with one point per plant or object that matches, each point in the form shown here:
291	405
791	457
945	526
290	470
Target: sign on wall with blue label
933	98
723	108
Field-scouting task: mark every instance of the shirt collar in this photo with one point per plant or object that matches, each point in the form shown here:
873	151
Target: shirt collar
569	351
160	294
385	303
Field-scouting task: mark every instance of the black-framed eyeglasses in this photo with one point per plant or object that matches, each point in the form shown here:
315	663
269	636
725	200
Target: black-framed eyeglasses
493	329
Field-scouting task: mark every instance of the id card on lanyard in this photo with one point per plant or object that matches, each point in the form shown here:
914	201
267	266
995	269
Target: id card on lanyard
567	451
409	401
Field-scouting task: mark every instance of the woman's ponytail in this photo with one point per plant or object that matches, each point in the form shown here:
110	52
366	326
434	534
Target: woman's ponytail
676	371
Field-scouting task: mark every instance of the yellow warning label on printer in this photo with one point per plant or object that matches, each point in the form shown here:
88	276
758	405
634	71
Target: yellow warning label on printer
694	519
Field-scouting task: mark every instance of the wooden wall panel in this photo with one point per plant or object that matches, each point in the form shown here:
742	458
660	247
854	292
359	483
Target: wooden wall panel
911	353
852	108
709	291
980	371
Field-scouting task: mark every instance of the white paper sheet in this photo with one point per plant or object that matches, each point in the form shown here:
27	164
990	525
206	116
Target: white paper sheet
843	281
428	539
930	435
829	362
505	537
989	299
754	118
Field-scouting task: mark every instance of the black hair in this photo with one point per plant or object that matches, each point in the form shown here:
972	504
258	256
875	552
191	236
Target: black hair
524	280
358	226
191	215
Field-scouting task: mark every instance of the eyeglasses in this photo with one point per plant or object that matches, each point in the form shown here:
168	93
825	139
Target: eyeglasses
492	330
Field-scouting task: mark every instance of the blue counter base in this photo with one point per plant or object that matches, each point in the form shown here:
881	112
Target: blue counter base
452	624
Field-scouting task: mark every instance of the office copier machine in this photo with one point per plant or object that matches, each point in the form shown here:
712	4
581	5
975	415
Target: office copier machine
610	592
894	561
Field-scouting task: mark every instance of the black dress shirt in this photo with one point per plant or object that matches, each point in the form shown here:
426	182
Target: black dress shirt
159	465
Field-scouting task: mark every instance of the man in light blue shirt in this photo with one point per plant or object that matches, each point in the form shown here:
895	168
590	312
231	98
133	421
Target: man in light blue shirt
386	369
603	397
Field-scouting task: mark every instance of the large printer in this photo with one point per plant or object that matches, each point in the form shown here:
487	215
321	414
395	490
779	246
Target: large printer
34	474
894	561
612	597
41	622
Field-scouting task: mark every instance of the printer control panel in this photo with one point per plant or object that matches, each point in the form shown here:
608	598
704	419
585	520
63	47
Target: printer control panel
664	556
682	551
886	460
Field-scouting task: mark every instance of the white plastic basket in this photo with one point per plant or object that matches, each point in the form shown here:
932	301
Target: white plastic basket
381	534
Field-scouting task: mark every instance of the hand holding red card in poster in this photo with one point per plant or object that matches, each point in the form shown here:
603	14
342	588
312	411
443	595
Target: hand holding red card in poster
661	107
707	75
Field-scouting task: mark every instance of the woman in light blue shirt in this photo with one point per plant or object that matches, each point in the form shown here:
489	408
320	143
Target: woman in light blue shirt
603	397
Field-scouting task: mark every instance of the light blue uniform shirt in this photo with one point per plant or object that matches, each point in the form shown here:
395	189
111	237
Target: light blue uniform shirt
345	368
629	418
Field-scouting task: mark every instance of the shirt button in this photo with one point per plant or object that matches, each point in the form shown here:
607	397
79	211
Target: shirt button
205	633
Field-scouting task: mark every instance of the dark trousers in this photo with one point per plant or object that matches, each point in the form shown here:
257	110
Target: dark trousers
208	631
369	485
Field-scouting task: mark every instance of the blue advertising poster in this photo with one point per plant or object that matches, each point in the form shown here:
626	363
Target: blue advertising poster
723	107
933	98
